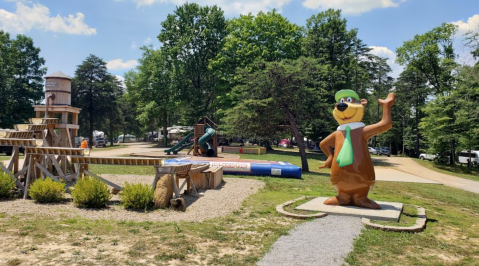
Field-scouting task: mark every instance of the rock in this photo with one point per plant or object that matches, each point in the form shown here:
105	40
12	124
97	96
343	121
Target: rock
178	204
114	191
164	191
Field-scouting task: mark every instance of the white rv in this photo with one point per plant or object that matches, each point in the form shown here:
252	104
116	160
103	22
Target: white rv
128	138
99	139
465	156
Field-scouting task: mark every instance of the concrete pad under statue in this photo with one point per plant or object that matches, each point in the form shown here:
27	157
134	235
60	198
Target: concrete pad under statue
390	211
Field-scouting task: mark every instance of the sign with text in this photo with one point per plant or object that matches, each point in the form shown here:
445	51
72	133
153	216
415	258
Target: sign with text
50	83
233	166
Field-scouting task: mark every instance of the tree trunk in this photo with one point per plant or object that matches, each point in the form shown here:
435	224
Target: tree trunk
165	128
299	139
403	132
90	110
111	133
452	158
266	144
416	149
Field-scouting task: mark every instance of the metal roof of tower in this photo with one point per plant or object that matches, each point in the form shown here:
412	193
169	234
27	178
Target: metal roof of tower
58	74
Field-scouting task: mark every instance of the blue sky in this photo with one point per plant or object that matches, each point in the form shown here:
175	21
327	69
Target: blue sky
68	31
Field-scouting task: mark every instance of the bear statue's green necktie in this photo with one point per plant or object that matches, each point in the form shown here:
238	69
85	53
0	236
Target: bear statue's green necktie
346	155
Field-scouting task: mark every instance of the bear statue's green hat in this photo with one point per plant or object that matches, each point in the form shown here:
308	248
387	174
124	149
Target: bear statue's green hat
346	93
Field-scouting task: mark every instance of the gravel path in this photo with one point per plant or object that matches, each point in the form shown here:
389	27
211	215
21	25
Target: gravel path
324	241
215	203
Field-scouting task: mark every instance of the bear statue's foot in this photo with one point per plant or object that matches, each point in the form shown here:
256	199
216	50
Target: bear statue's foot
364	202
338	200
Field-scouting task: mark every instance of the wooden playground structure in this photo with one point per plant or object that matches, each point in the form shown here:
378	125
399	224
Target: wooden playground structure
49	149
199	132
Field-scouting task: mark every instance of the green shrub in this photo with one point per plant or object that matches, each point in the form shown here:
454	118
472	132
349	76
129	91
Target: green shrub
90	192
45	191
7	184
137	196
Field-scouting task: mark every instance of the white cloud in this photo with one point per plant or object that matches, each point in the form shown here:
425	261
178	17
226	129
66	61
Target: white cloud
147	41
134	46
472	24
37	16
353	7
230	7
254	6
121	80
384	52
117	64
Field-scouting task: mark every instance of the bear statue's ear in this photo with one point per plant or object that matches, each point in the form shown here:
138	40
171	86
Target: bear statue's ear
364	102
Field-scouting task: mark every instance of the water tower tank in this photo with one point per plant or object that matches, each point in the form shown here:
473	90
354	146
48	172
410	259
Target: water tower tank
60	85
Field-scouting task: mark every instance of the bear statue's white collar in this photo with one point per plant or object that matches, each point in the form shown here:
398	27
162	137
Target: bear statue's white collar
352	125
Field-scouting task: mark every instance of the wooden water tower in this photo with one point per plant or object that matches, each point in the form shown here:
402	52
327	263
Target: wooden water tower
58	104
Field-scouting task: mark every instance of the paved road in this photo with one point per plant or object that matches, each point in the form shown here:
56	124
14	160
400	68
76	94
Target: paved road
408	165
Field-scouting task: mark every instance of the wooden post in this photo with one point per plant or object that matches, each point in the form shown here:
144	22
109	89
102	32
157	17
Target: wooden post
15	154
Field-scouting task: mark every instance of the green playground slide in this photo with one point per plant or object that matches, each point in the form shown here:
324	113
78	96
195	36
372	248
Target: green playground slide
181	145
203	142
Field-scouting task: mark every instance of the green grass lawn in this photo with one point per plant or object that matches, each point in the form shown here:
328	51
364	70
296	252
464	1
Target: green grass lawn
457	170
243	237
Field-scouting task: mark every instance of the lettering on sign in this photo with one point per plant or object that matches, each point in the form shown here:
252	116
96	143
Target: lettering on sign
50	84
275	171
233	166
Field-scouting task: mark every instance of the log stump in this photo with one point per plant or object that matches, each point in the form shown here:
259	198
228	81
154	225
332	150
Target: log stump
178	204
164	191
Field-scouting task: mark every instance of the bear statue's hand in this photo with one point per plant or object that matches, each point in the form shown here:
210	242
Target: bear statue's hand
389	101
327	164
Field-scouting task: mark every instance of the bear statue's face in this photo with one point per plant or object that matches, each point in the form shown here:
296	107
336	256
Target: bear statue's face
349	110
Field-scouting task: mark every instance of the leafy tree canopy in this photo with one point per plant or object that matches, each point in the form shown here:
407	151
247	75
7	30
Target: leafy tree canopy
21	79
95	91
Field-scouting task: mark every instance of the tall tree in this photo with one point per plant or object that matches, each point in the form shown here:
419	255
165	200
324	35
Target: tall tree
473	42
466	97
267	36
95	91
432	54
412	92
328	40
277	97
151	87
129	112
21	79
346	60
191	37
380	84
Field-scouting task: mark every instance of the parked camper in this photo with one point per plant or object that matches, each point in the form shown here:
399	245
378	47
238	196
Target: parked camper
99	139
174	132
465	156
128	138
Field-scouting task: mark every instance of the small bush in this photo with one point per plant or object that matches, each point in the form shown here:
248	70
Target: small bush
90	192
45	191
137	196
7	184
